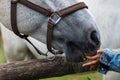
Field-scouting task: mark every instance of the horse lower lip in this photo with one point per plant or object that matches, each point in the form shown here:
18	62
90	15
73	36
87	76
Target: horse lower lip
92	53
83	56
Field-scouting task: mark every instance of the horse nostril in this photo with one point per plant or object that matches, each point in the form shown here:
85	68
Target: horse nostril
94	38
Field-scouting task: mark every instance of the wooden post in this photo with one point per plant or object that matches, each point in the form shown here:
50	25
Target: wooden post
37	69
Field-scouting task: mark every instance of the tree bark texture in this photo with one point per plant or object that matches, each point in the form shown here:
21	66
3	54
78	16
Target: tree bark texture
38	69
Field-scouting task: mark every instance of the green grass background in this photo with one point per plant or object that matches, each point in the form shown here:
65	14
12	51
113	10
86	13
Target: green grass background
81	76
2	56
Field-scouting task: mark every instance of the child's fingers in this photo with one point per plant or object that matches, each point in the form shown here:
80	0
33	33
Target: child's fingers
101	51
90	63
93	57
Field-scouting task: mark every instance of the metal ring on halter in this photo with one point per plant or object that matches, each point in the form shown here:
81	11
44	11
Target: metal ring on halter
55	17
50	58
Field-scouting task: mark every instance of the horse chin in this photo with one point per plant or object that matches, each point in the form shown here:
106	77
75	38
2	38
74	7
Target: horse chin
78	55
75	56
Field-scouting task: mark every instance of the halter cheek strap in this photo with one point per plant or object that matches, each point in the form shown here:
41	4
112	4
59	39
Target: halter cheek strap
54	18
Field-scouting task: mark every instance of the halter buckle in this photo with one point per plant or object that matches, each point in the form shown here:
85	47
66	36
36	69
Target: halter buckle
55	18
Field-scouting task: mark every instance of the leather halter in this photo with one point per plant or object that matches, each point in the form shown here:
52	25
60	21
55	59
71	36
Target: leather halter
54	18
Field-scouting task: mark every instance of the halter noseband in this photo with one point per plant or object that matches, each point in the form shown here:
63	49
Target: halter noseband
54	18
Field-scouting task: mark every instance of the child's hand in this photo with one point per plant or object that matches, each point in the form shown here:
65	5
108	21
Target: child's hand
94	61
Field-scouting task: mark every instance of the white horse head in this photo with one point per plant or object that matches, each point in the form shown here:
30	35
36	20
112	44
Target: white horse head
75	34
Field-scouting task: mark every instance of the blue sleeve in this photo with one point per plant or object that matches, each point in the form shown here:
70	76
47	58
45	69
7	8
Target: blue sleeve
110	61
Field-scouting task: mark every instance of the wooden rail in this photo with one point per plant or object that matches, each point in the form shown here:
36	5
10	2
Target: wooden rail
38	69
